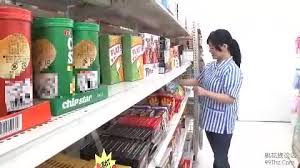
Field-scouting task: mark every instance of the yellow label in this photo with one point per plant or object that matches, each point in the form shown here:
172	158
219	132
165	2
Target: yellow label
14	55
116	56
105	161
114	40
85	53
44	53
115	49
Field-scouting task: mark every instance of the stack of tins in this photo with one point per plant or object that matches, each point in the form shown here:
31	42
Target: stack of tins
53	57
15	59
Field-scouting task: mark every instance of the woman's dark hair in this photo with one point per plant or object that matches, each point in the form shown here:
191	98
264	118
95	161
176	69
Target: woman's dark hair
220	37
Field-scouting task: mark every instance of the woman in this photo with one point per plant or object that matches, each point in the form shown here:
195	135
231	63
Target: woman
218	87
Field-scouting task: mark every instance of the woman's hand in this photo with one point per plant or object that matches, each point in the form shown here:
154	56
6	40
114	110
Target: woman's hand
199	91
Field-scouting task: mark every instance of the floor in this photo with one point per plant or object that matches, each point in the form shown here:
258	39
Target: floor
251	142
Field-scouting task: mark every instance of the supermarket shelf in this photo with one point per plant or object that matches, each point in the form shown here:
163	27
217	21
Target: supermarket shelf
148	16
50	5
180	149
46	140
157	159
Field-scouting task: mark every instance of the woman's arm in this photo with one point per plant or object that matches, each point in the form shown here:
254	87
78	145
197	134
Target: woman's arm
220	97
230	89
189	82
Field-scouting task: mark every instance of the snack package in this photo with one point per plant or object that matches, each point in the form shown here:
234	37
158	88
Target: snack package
151	48
175	89
16	89
86	56
168	101
111	59
165	59
151	53
53	57
153	100
133	57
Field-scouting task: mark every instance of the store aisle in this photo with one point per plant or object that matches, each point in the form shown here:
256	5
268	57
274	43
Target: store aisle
251	143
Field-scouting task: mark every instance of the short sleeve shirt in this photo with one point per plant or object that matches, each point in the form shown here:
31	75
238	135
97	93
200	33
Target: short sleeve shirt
220	77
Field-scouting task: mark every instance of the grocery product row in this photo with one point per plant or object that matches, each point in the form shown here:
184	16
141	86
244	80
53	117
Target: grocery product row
134	138
69	64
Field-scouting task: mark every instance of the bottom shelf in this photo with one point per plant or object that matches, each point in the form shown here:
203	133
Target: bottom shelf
179	152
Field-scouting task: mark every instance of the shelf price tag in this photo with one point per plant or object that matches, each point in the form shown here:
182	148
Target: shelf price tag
105	161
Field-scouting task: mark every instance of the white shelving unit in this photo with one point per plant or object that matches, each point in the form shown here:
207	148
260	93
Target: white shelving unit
45	141
158	156
148	16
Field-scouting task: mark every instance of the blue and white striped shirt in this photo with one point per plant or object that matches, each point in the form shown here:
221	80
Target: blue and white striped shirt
223	77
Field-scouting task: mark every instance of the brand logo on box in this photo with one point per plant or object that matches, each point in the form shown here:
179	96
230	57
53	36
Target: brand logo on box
70	52
74	102
114	52
136	52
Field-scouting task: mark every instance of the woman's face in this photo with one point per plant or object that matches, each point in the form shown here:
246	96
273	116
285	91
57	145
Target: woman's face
217	54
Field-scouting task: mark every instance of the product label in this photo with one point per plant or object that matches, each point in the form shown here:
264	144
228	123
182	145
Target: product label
87	80
46	85
114	52
85	53
105	161
136	52
75	102
10	125
14	55
44	54
18	94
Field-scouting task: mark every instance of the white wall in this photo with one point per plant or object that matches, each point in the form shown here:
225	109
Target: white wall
266	31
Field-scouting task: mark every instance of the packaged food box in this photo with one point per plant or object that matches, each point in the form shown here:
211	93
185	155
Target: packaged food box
176	55
15	60
133	57
129	152
171	60
86	56
111	59
165	56
53	57
151	47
